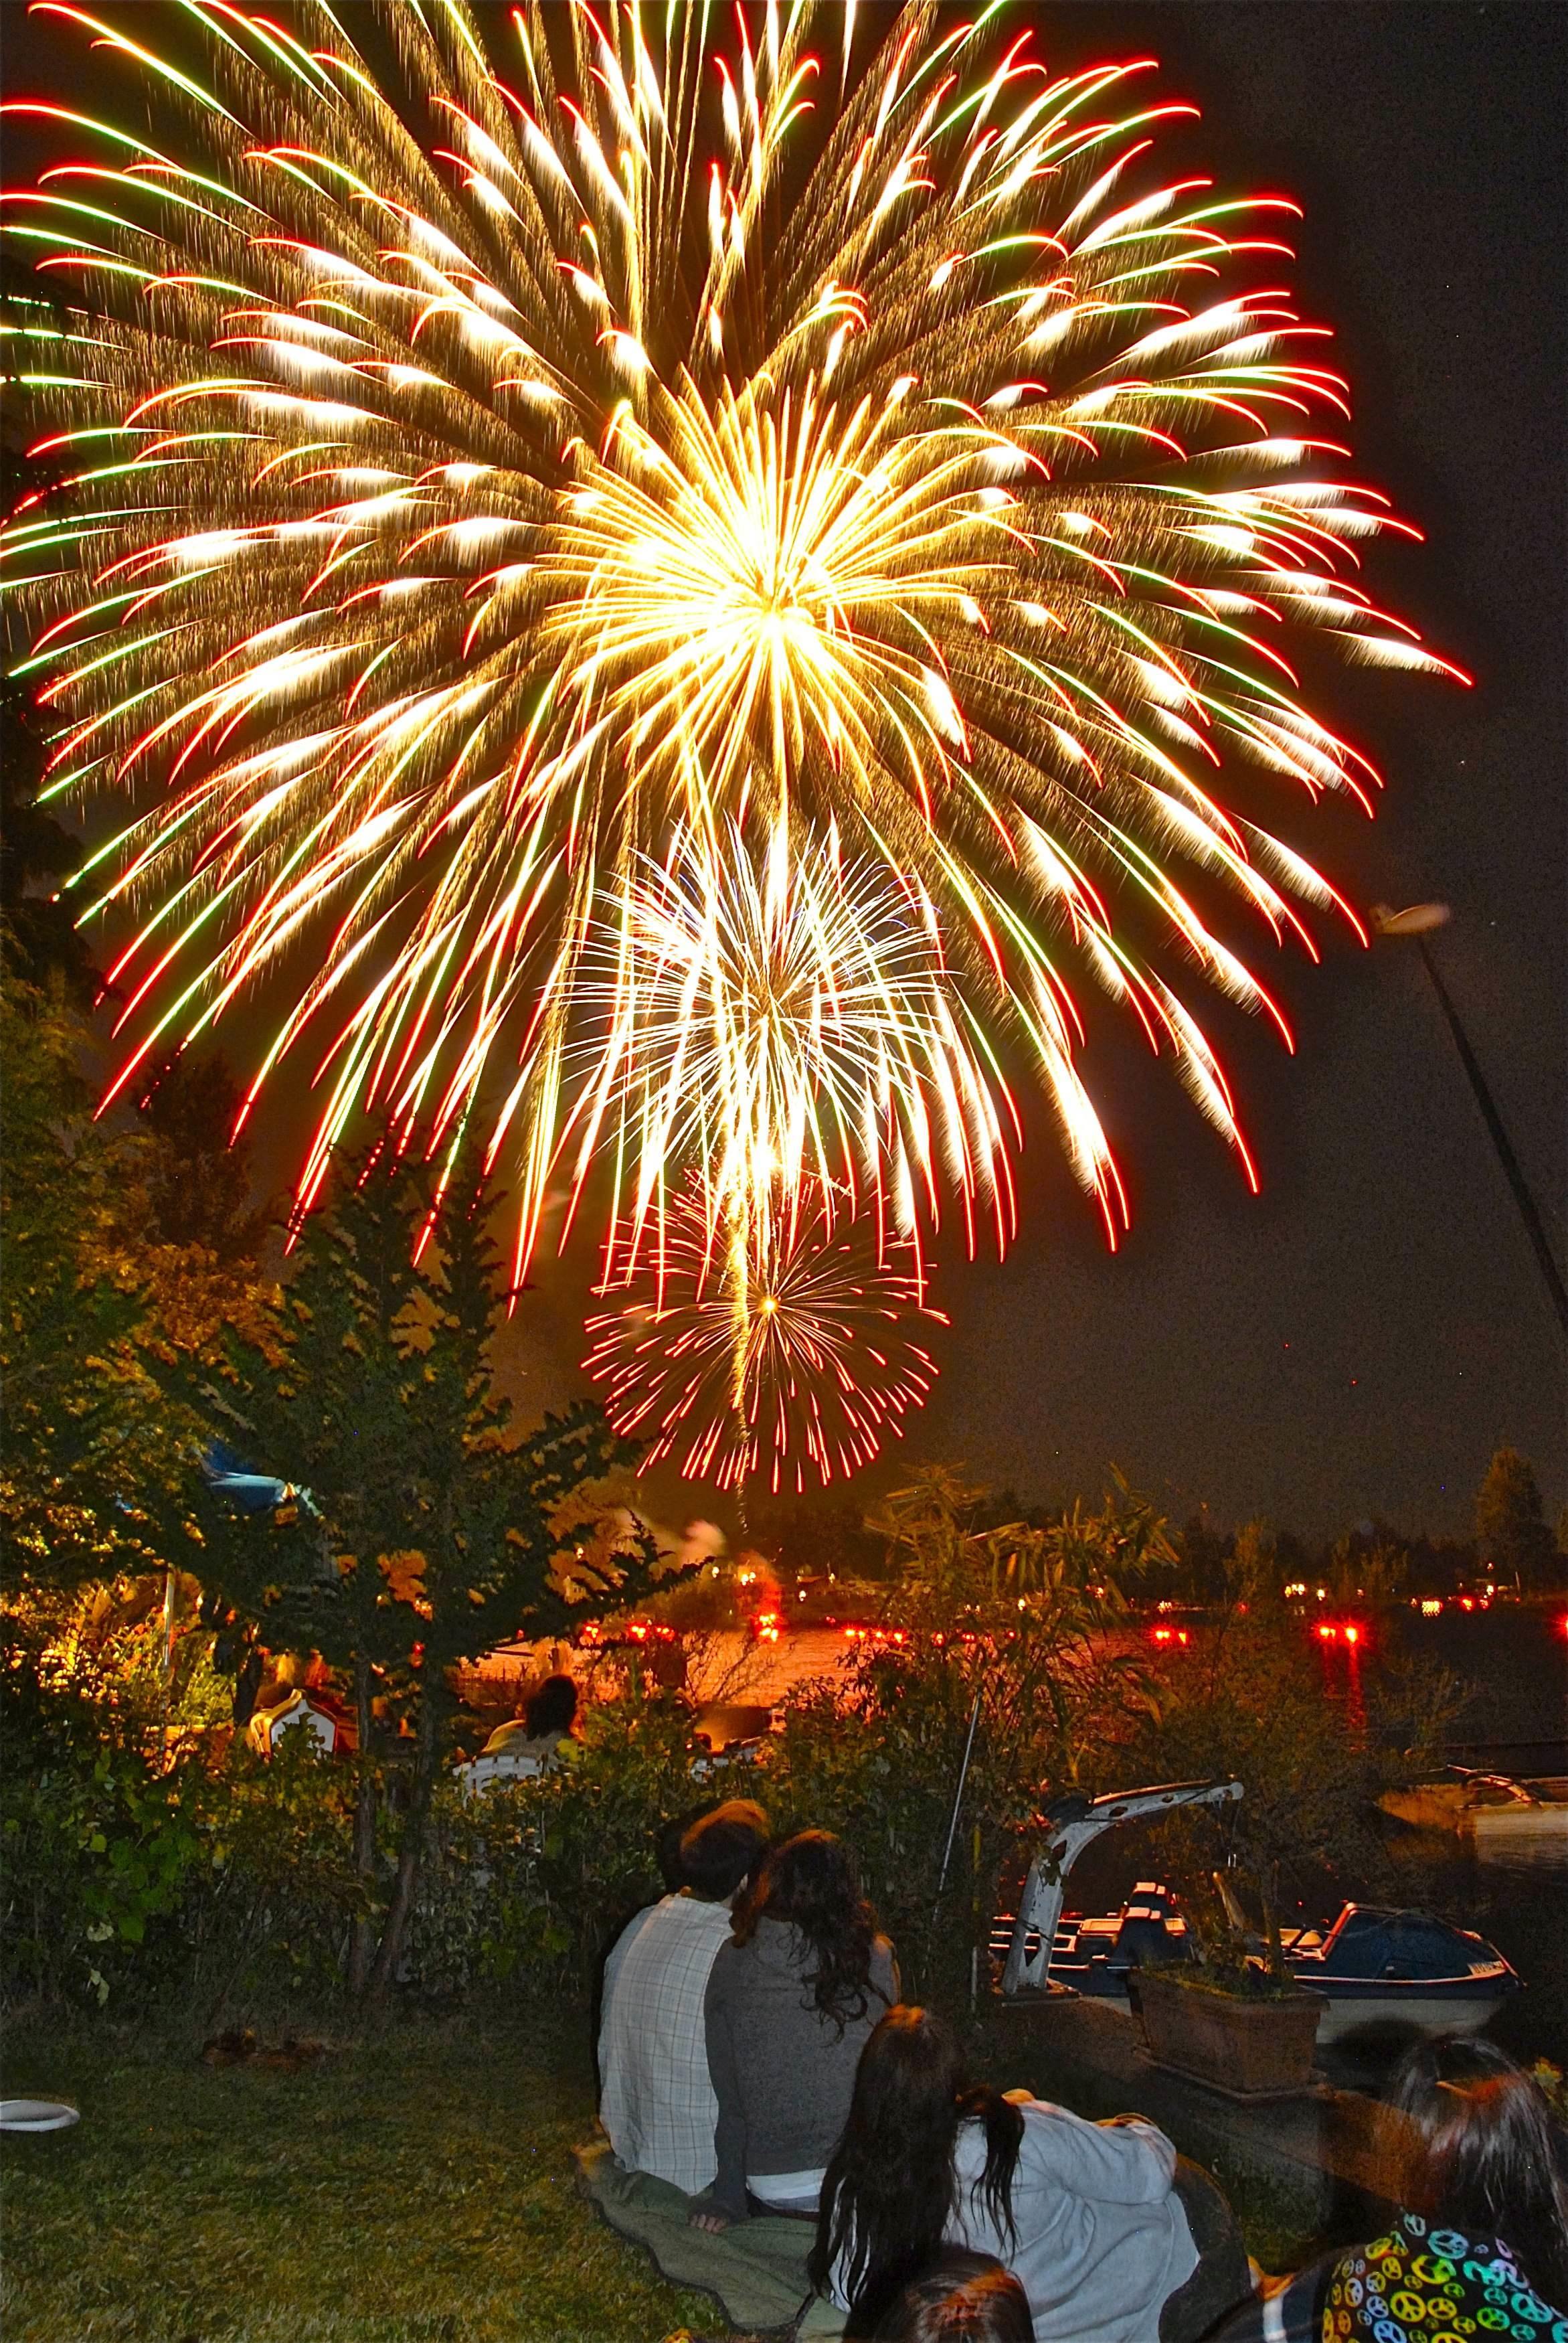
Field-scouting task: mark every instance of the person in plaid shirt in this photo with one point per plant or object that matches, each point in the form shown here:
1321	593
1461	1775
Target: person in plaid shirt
657	2103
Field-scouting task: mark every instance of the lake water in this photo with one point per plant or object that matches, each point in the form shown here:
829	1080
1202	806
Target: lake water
1514	1664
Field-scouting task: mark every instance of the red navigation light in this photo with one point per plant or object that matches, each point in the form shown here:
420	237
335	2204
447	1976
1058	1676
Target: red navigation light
1352	1635
1326	1633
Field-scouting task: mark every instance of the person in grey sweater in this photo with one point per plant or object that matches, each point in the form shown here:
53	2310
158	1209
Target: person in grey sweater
791	2000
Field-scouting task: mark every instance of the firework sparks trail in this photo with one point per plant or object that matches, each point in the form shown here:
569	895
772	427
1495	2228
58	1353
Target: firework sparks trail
591	489
765	1356
773	1026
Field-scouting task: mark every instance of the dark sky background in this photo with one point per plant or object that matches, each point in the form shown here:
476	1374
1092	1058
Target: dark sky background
1357	1340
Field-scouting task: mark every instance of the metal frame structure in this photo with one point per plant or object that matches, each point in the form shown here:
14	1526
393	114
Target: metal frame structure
1071	1824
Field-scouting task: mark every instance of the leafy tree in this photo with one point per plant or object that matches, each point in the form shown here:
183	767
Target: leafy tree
941	1543
1373	1568
41	943
198	1175
425	1526
1202	1552
1510	1524
811	1536
78	1430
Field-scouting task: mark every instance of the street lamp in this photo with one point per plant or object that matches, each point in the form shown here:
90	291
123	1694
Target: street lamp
1416	923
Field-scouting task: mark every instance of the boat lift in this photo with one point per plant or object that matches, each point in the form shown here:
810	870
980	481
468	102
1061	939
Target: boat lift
1070	1824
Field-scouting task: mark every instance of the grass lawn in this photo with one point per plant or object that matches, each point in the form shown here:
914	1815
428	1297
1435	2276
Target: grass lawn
415	2188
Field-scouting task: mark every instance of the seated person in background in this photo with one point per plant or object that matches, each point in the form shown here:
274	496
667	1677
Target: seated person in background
791	2002
656	2101
1086	2216
542	1733
1480	2244
963	2297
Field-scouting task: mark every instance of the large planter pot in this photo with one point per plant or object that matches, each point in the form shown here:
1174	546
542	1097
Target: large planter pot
1249	2049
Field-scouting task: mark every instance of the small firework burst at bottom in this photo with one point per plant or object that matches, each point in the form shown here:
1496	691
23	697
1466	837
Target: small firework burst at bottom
768	1354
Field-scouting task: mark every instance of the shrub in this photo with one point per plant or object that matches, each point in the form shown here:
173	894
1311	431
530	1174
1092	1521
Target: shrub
532	1879
98	1846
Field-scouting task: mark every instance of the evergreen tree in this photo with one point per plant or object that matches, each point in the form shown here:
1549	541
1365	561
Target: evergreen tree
198	1175
423	1526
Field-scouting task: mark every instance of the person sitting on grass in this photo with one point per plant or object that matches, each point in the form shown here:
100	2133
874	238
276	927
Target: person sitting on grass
1479	2247
656	2101
791	2003
963	2297
1087	2216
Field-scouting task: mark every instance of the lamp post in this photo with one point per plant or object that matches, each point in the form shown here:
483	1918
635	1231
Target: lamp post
1420	921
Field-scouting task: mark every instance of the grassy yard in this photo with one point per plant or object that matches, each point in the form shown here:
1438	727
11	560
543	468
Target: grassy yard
417	2188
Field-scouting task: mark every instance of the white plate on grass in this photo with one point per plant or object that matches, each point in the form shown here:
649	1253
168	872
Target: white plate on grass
37	2115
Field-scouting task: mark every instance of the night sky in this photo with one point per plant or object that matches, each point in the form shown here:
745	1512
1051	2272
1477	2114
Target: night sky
1357	1340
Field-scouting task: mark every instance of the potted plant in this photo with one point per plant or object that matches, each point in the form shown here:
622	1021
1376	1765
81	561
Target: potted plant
1229	2020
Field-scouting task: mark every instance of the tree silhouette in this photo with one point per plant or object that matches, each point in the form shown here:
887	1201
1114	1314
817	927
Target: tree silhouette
1511	1524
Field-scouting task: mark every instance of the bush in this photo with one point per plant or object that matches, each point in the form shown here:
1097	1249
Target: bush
532	1879
136	1869
142	1878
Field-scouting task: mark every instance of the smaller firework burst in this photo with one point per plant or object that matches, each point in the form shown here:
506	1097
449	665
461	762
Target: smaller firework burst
768	1352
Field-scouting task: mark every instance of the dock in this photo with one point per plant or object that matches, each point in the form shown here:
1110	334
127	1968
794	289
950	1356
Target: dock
1319	2148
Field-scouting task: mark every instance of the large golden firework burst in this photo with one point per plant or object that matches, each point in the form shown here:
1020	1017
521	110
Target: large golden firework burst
535	483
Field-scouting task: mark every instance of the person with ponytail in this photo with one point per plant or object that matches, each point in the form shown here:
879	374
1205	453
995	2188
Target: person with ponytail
1087	2217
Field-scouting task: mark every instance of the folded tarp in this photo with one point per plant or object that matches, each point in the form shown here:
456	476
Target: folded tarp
755	2270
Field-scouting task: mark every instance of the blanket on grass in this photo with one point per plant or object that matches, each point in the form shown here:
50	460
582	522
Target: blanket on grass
756	2269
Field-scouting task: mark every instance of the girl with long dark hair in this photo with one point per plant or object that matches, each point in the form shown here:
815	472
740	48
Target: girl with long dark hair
790	2001
1086	2216
1476	2166
1479	2247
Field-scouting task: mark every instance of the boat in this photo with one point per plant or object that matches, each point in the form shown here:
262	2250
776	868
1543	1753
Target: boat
1506	1817
1094	1953
1378	1970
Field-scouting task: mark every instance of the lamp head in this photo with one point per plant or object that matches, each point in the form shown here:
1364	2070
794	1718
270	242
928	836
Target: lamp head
1419	919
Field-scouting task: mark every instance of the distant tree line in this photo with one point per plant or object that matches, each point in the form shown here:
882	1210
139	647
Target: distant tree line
1512	1546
